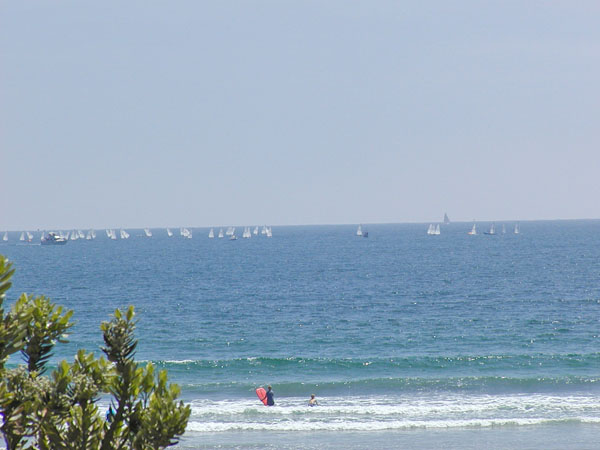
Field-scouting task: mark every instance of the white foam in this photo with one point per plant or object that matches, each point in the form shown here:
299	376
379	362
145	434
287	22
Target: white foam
387	413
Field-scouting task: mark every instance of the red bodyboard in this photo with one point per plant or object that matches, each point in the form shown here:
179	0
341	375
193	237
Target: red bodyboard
262	395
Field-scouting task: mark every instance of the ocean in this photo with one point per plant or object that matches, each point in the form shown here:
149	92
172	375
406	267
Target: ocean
407	340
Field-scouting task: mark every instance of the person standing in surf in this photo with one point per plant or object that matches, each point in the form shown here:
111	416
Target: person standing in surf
270	401
313	401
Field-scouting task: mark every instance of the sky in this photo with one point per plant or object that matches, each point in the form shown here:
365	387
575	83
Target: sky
212	113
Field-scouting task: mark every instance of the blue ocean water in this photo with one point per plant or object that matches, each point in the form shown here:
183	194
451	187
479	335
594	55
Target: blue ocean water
396	332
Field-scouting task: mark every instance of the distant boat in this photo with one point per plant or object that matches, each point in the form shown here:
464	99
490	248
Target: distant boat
113	234
365	234
221	233
492	230
230	231
269	232
185	233
503	229
53	238
263	230
233	237
124	234
90	235
433	230
80	234
147	232
211	233
517	231
5	237
22	237
107	233
255	232
169	233
359	231
446	219
29	236
246	234
473	231
74	235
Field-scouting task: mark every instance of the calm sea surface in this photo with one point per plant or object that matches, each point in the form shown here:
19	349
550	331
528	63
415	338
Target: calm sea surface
406	339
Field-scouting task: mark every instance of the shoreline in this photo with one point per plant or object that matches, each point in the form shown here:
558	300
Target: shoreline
547	436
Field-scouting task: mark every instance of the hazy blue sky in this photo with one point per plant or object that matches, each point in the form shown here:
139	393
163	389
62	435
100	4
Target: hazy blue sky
155	113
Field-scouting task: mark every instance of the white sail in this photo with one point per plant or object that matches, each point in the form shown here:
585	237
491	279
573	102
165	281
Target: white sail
89	235
113	234
255	231
246	234
80	234
5	237
503	229
437	229
211	233
107	233
446	219
74	235
93	233
147	232
221	234
517	231
230	231
263	230
359	230
169	233
430	229
22	237
473	230
124	234
269	232
29	236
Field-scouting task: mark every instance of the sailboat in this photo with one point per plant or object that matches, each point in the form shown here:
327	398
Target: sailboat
255	231
430	229
359	230
124	234
80	234
503	229
107	233
517	231
473	231
89	237
246	234
5	237
221	233
147	232
74	235
113	234
269	232
263	230
169	233
492	230
230	231
185	233
437	229
446	219
22	237
211	233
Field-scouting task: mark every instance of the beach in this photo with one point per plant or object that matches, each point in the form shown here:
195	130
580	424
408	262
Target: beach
407	340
